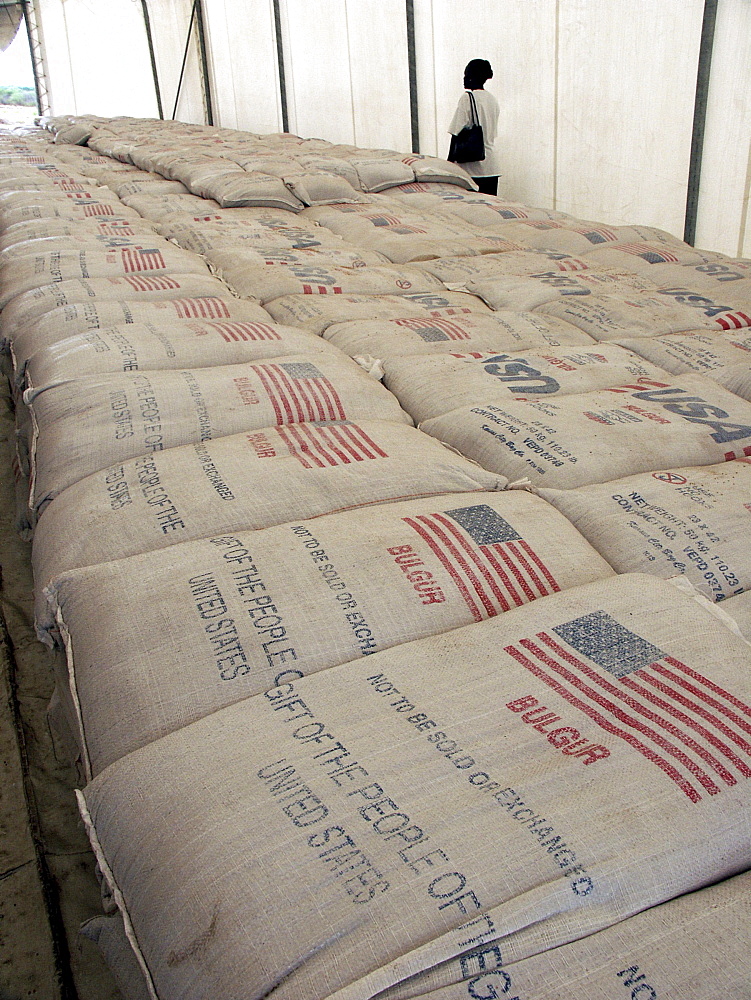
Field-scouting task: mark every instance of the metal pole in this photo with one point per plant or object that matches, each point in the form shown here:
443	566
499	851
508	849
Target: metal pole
198	7
700	116
36	58
152	54
412	65
280	62
185	59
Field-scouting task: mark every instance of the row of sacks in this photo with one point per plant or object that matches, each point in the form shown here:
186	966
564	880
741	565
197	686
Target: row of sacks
343	860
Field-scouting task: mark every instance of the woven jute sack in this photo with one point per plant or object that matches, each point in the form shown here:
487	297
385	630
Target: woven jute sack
242	481
250	189
459	270
430	386
646	314
232	263
497	331
41	336
301	596
166	206
484	788
86	242
39	229
723	357
271	281
37	210
157	256
604	434
646	256
577	236
26	308
657	953
487	211
85	424
317	312
55	198
548	285
691	521
164	345
714	278
739	609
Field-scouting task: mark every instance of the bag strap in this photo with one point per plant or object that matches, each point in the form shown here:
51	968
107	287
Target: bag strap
473	108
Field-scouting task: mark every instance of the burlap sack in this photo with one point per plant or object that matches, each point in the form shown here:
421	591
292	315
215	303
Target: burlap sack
723	357
498	331
65	209
302	596
30	306
235	264
58	325
271	281
715	278
87	242
321	188
317	312
460	270
251	189
85	424
429	170
646	314
739	609
166	206
645	256
653	954
577	236
146	185
486	210
548	285
109	935
171	345
239	482
430	386
39	229
386	816
690	521
157	256
607	434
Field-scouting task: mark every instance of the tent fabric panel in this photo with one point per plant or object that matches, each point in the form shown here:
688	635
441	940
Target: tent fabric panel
245	85
627	84
721	221
170	20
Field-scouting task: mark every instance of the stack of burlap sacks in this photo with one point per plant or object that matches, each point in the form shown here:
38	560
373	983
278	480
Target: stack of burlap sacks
358	714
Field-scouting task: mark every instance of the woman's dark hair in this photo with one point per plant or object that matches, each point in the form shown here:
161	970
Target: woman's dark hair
476	72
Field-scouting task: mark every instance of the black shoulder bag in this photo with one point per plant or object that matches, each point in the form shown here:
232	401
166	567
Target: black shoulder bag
469	145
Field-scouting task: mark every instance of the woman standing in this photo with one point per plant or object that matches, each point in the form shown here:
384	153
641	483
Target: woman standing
484	172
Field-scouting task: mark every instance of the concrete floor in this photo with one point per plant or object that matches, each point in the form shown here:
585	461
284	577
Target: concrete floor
48	885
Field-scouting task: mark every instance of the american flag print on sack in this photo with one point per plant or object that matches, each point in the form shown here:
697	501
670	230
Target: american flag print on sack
433	330
201	308
490	563
649	254
300	392
138	259
93	210
233	332
697	733
317	446
143	284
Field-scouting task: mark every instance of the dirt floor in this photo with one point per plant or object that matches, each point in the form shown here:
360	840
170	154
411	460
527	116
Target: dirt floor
48	885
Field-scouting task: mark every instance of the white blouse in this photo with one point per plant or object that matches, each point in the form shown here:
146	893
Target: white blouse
487	113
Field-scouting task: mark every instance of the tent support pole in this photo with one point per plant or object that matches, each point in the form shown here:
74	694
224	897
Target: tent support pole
700	116
185	59
35	51
412	66
280	63
198	5
152	55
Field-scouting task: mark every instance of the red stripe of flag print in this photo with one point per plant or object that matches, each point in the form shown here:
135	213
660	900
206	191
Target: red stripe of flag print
138	259
492	566
434	329
201	308
245	331
648	253
317	446
570	264
300	393
143	284
93	210
321	290
694	731
733	320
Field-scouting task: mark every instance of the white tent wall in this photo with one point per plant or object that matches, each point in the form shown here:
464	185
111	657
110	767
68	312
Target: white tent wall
347	71
96	57
723	218
245	77
170	22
